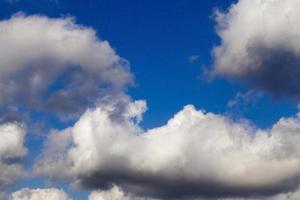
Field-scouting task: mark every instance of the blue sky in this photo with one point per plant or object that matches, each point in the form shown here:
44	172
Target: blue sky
158	38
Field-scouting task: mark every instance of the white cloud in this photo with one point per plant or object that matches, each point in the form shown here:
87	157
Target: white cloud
56	65
115	193
118	117
260	44
12	151
39	194
195	153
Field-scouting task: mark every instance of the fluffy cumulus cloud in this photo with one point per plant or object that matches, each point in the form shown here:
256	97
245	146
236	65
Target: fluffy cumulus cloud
194	154
39	194
260	44
12	152
55	65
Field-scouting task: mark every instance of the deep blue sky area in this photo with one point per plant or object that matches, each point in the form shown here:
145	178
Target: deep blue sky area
157	38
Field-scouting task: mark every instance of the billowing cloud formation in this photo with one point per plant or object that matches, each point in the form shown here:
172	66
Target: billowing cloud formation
39	194
55	65
12	151
260	44
194	154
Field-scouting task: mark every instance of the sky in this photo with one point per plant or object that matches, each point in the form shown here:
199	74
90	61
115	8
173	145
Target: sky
149	100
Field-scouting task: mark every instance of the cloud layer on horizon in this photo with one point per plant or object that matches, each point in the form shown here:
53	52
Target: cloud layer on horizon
260	45
116	193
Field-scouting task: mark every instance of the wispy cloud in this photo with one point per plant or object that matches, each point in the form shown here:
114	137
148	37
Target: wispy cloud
193	58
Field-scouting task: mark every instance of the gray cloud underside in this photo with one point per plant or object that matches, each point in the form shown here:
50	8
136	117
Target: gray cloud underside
116	193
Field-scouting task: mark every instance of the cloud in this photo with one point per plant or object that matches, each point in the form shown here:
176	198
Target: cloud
115	193
12	152
3	196
243	98
60	67
283	196
57	66
39	194
120	115
287	196
194	154
193	58
242	102
260	45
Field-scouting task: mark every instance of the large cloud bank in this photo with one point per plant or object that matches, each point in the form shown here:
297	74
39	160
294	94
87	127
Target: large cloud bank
260	44
194	154
55	65
116	193
12	152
